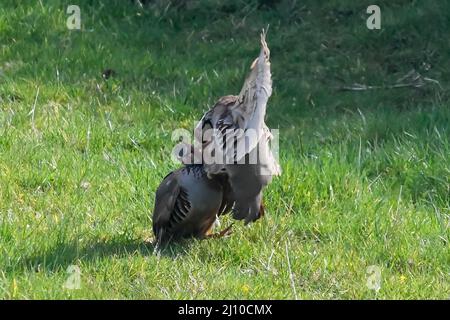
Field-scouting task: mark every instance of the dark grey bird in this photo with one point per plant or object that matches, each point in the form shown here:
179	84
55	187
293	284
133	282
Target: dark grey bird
188	204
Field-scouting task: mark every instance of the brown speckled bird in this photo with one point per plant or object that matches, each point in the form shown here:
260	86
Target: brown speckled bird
245	112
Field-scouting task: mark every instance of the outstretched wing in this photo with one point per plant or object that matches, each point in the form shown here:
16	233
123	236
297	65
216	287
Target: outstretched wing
250	108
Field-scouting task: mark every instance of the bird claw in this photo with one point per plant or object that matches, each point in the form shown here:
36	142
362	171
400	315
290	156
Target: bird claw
224	233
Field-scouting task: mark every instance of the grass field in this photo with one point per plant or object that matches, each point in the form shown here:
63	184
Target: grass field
366	174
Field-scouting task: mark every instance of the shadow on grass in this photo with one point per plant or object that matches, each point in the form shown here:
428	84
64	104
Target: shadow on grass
65	254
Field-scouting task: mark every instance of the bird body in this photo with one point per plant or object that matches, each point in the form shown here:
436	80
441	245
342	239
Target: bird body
252	164
187	203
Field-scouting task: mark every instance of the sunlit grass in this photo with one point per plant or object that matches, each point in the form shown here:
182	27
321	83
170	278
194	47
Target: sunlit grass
366	175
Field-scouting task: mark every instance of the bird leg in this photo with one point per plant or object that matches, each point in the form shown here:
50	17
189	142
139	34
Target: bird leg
223	233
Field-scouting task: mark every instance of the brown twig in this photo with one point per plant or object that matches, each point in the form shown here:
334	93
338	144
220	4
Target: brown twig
416	80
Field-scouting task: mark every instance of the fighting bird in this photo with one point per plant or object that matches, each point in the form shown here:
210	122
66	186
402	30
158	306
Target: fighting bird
190	199
242	114
188	203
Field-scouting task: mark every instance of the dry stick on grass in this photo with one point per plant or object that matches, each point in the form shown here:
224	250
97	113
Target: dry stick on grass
416	80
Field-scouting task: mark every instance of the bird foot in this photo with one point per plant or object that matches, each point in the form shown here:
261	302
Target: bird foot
224	233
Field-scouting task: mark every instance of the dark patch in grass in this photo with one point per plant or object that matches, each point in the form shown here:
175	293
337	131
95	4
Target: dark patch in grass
64	254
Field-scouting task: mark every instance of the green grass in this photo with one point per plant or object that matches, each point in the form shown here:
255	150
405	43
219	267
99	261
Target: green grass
366	175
